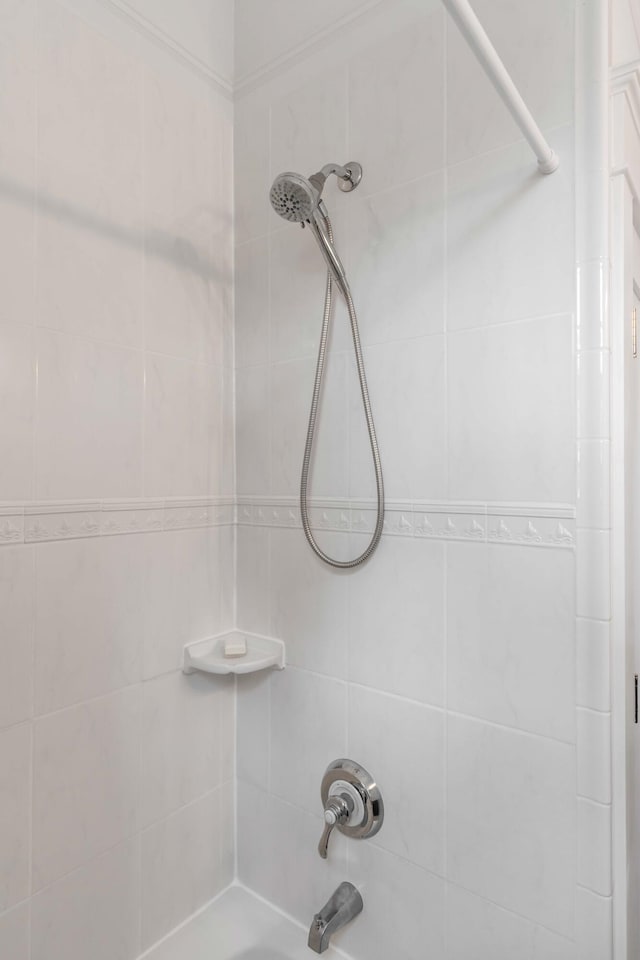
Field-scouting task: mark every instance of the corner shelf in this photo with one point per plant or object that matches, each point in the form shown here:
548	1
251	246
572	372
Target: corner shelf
208	656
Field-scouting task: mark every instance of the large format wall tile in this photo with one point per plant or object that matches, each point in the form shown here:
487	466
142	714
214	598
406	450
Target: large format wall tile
309	602
398	646
185	581
253	590
389	140
184	311
511	412
17	391
309	125
251	317
15	809
536	45
14	933
181	748
252	426
86	784
308	723
297	278
18	121
511	832
480	929
89	241
291	390
181	866
278	855
183	427
89	419
88	638
511	645
501	214
401	744
407	387
404	908
66	923
252	211
17	595
396	260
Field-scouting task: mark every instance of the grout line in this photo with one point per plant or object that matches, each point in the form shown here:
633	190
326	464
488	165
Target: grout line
441	709
447	487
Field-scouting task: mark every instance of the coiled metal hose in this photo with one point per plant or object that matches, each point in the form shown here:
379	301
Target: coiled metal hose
313	415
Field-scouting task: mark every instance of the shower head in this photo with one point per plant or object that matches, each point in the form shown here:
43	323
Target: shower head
293	197
296	198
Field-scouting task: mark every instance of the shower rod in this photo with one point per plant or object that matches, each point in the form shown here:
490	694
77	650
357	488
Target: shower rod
472	30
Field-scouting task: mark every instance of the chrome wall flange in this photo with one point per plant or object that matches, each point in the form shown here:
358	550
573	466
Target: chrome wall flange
347	184
352	802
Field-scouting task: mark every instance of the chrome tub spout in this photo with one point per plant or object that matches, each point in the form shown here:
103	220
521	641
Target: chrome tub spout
343	905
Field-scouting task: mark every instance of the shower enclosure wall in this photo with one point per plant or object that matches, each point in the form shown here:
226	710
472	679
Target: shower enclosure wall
156	388
466	664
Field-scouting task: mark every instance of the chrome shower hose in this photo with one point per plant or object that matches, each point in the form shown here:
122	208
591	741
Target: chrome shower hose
313	415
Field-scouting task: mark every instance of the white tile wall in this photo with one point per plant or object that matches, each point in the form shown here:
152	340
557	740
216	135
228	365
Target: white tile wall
85	782
116	381
17	367
88	641
178	766
183	425
511	651
409	410
251	317
308	721
388	735
278	857
17	585
399	647
491	933
15	792
510	437
66	922
181	866
312	619
449	670
391	236
511	832
404	907
534	49
385	135
462	660
18	118
14	933
85	447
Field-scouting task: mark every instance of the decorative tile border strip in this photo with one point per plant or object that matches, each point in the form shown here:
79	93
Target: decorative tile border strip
544	525
547	525
70	520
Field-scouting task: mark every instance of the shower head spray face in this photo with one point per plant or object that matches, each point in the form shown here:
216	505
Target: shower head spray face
293	197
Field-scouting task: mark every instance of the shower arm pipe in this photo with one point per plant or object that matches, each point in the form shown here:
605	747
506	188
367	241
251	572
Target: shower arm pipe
473	32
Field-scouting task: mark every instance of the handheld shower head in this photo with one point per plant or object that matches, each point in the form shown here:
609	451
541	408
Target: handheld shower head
293	197
298	200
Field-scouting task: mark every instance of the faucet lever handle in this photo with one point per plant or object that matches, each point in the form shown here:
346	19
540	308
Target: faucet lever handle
337	810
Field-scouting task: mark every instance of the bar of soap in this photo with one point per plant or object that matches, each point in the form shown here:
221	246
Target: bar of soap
235	646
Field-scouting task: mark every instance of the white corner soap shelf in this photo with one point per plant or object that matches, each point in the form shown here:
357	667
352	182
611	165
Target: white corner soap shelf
208	656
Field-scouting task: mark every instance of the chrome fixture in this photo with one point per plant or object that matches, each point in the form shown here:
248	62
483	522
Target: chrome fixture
352	802
299	200
343	905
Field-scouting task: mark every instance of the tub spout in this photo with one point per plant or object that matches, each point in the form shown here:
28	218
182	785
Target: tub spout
343	905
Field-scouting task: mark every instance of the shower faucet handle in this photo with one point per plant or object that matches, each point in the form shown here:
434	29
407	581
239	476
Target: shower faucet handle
352	802
338	809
